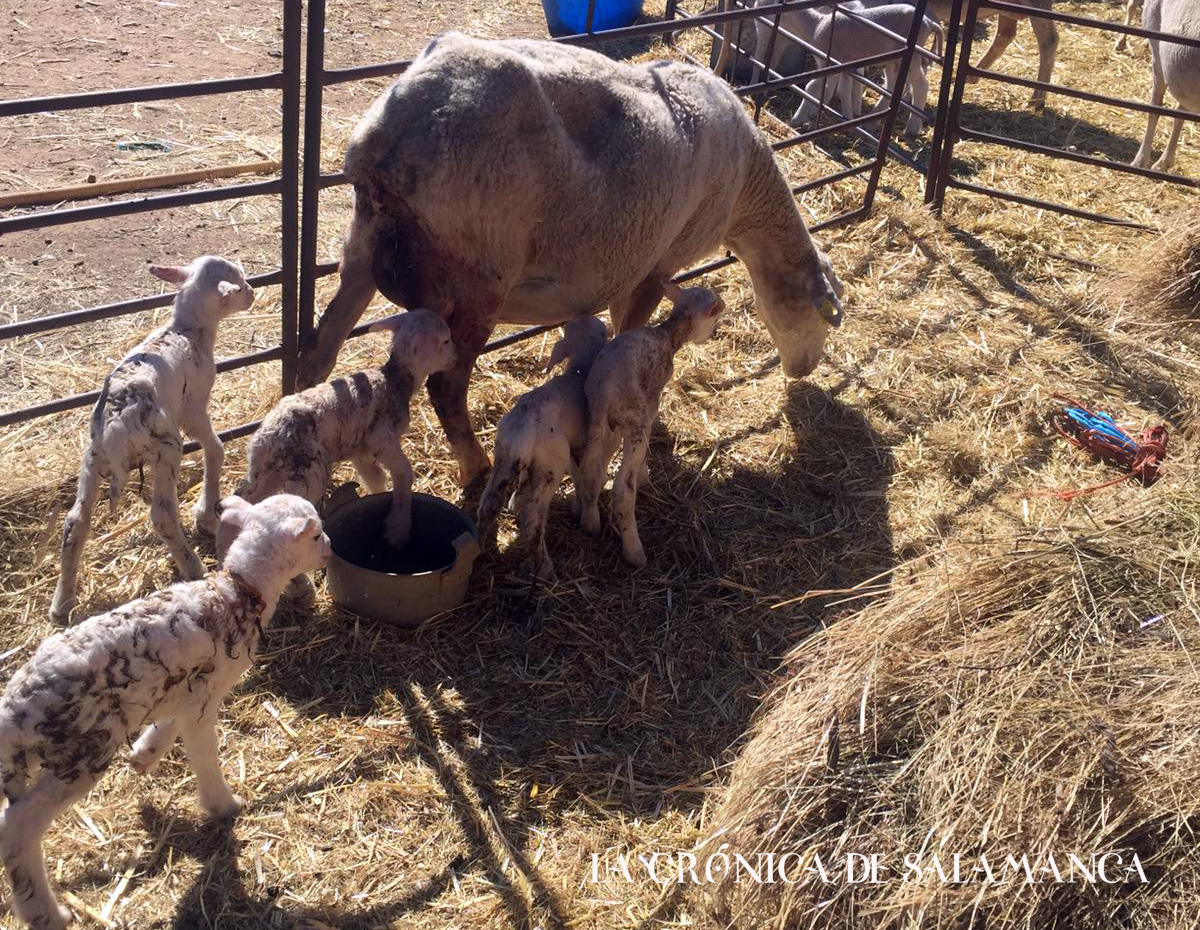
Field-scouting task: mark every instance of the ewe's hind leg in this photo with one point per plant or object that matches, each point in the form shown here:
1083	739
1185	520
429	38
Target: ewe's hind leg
24	824
201	744
164	514
624	499
75	533
154	743
1158	89
205	511
1167	161
374	478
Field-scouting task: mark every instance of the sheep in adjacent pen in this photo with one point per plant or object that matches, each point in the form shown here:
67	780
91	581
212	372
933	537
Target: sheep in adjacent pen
158	389
624	389
541	439
1173	67
165	663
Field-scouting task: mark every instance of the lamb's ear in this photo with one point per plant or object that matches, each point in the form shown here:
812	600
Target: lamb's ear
233	510
672	291
300	527
715	307
228	287
387	324
172	273
558	354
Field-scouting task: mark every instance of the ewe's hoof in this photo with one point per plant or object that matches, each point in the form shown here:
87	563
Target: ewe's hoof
226	810
206	520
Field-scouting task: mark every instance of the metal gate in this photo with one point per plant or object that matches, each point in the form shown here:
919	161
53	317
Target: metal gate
299	267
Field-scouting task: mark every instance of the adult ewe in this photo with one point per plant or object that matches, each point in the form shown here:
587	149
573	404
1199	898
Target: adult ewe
1172	66
529	182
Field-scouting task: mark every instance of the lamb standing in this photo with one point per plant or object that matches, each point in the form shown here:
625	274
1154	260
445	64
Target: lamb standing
359	418
158	389
164	662
542	438
520	181
1172	66
623	390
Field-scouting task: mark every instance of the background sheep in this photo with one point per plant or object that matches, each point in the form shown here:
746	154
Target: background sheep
158	389
1172	66
165	662
623	390
542	438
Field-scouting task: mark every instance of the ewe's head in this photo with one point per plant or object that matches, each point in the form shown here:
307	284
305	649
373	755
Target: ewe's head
799	305
210	288
280	536
582	339
420	341
698	307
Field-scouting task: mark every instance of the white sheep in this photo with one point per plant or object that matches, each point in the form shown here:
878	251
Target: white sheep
623	391
359	418
165	663
1172	66
541	439
159	389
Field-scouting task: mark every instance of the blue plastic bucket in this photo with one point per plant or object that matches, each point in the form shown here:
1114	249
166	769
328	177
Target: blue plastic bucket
568	17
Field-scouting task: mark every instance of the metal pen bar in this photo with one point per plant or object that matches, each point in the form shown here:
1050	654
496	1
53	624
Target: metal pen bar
289	208
1107	25
1045	205
975	135
107	98
311	201
362	72
954	115
946	84
107	311
48	218
234	432
1088	95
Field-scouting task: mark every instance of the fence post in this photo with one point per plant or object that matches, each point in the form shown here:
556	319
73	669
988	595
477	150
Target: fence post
314	86
949	49
290	195
889	119
961	68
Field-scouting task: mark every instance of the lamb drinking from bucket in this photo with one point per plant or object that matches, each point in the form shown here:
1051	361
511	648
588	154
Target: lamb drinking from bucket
521	181
360	418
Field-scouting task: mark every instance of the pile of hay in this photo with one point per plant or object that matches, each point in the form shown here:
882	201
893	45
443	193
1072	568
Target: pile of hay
1167	274
1038	703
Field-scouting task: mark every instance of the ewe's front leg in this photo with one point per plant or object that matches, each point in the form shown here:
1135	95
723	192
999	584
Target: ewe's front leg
154	743
205	511
201	744
164	515
356	287
448	393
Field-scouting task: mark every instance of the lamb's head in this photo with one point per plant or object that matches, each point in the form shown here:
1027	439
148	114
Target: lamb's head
697	307
582	339
273	541
799	307
421	341
210	288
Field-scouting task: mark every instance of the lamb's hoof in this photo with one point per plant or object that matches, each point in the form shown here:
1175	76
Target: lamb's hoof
636	557
301	592
545	573
206	520
590	521
192	569
225	810
144	761
55	918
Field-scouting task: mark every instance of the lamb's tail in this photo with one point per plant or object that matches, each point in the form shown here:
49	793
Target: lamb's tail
505	481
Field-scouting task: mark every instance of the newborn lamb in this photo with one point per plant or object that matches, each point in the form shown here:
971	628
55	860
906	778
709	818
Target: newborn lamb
165	662
359	417
159	388
541	439
623	391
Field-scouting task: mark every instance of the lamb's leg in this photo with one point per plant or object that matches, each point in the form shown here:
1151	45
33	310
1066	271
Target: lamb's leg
355	290
532	520
1158	89
634	309
154	743
205	511
448	389
1168	157
201	744
918	82
75	533
601	446
1046	31
624	500
398	525
24	824
164	514
374	478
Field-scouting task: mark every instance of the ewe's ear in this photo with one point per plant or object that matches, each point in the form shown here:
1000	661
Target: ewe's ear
228	287
172	273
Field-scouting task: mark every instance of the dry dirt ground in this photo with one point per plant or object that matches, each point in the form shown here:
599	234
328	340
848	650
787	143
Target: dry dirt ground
464	775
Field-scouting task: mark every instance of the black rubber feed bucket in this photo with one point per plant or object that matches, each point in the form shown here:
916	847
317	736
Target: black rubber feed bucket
430	575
